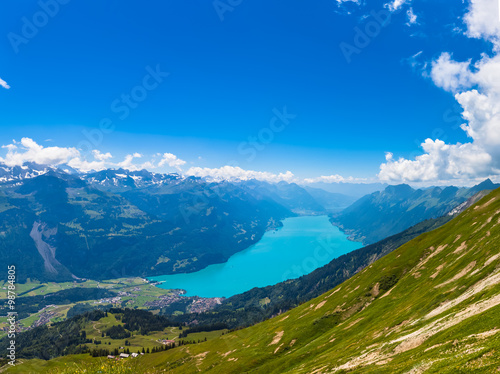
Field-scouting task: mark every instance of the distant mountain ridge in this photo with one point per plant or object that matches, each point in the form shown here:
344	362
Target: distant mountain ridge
119	180
290	195
60	226
355	190
302	200
388	212
16	173
331	201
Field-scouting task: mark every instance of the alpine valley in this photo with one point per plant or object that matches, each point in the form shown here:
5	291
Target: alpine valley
426	299
63	225
229	187
98	234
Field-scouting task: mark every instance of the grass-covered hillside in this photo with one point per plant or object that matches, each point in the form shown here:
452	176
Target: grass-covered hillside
431	306
100	333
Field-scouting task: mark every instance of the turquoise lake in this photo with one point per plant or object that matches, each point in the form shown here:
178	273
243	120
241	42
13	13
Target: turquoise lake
300	246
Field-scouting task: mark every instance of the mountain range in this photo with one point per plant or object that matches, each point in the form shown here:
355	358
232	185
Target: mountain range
388	212
63	225
117	223
430	306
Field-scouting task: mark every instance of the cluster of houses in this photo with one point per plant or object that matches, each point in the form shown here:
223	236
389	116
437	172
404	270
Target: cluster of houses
134	355
166	341
109	300
124	355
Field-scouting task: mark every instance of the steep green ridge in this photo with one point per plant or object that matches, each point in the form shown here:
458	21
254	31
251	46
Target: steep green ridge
384	213
441	288
430	306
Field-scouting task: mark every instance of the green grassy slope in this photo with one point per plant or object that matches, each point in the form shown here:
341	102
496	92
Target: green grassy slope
431	306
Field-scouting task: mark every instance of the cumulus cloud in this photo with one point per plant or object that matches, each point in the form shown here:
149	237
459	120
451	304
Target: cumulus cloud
101	162
129	164
172	161
451	75
4	84
393	5
101	156
86	166
482	20
439	161
235	173
334	179
29	151
476	88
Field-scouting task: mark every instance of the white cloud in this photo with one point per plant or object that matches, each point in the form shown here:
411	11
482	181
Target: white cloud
101	156
87	166
483	20
4	84
128	163
449	74
172	161
395	4
412	17
334	179
235	173
99	163
440	161
477	89
29	151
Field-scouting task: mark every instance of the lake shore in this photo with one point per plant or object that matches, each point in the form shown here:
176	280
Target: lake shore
297	248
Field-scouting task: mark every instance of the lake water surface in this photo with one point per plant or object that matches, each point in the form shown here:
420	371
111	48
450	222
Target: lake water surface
300	246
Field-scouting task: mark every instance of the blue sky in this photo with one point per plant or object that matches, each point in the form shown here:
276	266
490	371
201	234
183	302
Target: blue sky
231	69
